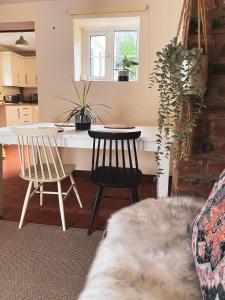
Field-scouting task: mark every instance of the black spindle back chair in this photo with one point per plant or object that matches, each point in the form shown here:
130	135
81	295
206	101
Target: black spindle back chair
111	167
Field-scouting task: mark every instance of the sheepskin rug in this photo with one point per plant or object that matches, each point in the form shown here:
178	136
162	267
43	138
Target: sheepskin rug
146	254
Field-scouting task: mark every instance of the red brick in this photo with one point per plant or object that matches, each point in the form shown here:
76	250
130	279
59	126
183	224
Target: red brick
215	168
198	174
216	115
191	185
209	4
215	96
217	131
200	130
191	167
219	149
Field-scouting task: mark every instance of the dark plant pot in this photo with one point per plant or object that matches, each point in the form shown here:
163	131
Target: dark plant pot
123	76
82	122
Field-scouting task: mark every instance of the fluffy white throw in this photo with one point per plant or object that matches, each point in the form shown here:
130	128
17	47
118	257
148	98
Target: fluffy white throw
146	254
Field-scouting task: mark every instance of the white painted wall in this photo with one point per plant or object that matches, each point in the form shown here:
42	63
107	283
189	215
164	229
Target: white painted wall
131	102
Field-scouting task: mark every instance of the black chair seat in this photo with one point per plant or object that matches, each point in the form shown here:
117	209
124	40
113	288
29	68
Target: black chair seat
116	177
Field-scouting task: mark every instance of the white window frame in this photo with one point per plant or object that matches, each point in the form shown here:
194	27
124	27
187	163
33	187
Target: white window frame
89	34
109	63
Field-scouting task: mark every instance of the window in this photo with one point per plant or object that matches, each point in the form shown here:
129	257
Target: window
125	44
106	50
97	56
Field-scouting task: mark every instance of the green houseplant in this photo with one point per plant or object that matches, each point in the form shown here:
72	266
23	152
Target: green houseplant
82	110
127	66
180	97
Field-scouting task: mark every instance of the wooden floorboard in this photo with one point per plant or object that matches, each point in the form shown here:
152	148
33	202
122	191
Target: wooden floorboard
14	189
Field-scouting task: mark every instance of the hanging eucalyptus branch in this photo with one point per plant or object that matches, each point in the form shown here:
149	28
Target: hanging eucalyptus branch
175	73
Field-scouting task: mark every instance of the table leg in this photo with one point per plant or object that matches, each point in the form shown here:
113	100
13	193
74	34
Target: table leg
1	183
163	179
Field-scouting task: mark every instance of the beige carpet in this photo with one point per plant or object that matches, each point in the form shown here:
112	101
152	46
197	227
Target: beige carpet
42	262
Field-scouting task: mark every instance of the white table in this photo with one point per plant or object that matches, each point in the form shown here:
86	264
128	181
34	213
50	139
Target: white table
70	138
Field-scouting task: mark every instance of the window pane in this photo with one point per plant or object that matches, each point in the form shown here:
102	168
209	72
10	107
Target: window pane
97	55
125	44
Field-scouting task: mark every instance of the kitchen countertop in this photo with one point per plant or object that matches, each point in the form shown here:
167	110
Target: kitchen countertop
3	104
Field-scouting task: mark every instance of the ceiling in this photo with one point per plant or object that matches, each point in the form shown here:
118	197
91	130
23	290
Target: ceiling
8	39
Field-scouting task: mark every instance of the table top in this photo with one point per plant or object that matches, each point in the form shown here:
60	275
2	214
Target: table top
148	133
71	138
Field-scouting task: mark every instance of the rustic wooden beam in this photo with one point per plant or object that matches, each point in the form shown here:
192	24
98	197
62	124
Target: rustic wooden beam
17	26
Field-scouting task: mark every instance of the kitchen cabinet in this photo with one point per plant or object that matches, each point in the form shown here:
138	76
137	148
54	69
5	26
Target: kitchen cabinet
18	114
35	114
25	114
21	72
2	116
17	70
12	69
31	73
1	93
11	115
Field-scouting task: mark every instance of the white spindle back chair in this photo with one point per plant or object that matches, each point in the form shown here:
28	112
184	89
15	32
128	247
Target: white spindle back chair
40	163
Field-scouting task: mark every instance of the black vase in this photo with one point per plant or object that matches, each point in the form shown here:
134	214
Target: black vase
82	122
123	76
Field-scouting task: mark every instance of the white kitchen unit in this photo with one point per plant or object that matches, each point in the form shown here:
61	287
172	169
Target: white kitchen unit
35	113
20	69
1	92
2	117
11	115
18	114
31	73
12	69
17	70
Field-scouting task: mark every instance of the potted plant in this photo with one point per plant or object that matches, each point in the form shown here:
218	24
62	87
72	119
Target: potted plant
173	73
82	111
127	65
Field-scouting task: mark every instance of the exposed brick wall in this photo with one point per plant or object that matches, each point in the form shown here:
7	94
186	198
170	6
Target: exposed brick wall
197	175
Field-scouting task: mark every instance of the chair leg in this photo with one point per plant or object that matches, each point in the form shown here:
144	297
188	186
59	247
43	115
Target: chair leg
61	207
95	208
75	190
137	199
132	199
25	204
41	195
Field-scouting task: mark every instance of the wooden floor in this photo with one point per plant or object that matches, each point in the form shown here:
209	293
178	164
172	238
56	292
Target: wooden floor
14	189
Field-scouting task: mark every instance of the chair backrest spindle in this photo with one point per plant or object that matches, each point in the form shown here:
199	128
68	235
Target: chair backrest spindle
93	155
135	155
116	155
34	157
129	154
110	153
104	153
39	153
123	154
46	157
98	150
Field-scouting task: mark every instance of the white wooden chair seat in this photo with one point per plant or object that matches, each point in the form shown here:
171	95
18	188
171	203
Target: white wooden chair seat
40	163
32	177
